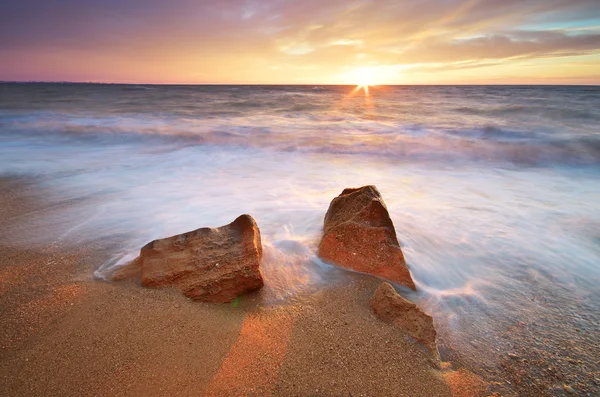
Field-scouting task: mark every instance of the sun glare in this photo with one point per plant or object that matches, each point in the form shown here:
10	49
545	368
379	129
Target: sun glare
363	78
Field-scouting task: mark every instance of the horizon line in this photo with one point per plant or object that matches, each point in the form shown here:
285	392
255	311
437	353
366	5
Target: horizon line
295	84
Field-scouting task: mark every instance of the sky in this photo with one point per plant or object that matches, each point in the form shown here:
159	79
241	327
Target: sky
301	41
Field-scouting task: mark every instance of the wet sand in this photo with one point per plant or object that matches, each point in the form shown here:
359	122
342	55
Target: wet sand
65	334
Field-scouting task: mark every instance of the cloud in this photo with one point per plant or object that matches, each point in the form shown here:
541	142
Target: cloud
296	49
503	46
346	42
231	38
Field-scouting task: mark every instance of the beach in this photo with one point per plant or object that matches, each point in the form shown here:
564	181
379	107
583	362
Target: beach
67	334
492	191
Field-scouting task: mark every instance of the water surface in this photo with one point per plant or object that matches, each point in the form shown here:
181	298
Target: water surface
494	191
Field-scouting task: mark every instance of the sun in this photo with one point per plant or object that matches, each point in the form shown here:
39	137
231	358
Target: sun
363	78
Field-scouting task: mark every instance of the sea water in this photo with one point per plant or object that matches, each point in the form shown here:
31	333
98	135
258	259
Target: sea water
494	190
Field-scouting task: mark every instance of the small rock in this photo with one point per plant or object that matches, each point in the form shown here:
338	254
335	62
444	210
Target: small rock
392	308
569	389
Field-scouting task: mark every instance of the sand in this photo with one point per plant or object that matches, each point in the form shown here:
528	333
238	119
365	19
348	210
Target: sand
66	334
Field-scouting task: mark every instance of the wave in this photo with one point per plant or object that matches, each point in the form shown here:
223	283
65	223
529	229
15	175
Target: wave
490	132
396	142
136	88
556	112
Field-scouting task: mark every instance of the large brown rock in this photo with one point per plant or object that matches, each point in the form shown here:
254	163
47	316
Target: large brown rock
212	265
359	234
394	309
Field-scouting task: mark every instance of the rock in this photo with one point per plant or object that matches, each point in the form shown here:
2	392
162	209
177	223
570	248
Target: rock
394	309
211	265
569	389
359	234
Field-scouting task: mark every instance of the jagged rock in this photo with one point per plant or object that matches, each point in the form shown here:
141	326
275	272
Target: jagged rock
212	265
394	309
359	234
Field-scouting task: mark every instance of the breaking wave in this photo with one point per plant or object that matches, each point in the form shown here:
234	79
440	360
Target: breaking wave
394	141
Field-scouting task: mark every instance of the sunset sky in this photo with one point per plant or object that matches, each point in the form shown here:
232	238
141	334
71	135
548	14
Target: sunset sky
302	41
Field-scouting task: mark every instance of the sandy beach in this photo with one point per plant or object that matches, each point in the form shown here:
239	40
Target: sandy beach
66	334
300	198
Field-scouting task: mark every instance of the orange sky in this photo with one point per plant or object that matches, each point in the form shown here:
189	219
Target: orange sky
302	42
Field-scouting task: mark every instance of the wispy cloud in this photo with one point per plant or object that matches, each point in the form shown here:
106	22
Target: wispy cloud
239	40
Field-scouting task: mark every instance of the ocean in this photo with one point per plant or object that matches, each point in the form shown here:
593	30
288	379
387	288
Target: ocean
494	192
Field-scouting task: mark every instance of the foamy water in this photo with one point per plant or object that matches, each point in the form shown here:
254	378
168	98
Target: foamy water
494	191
